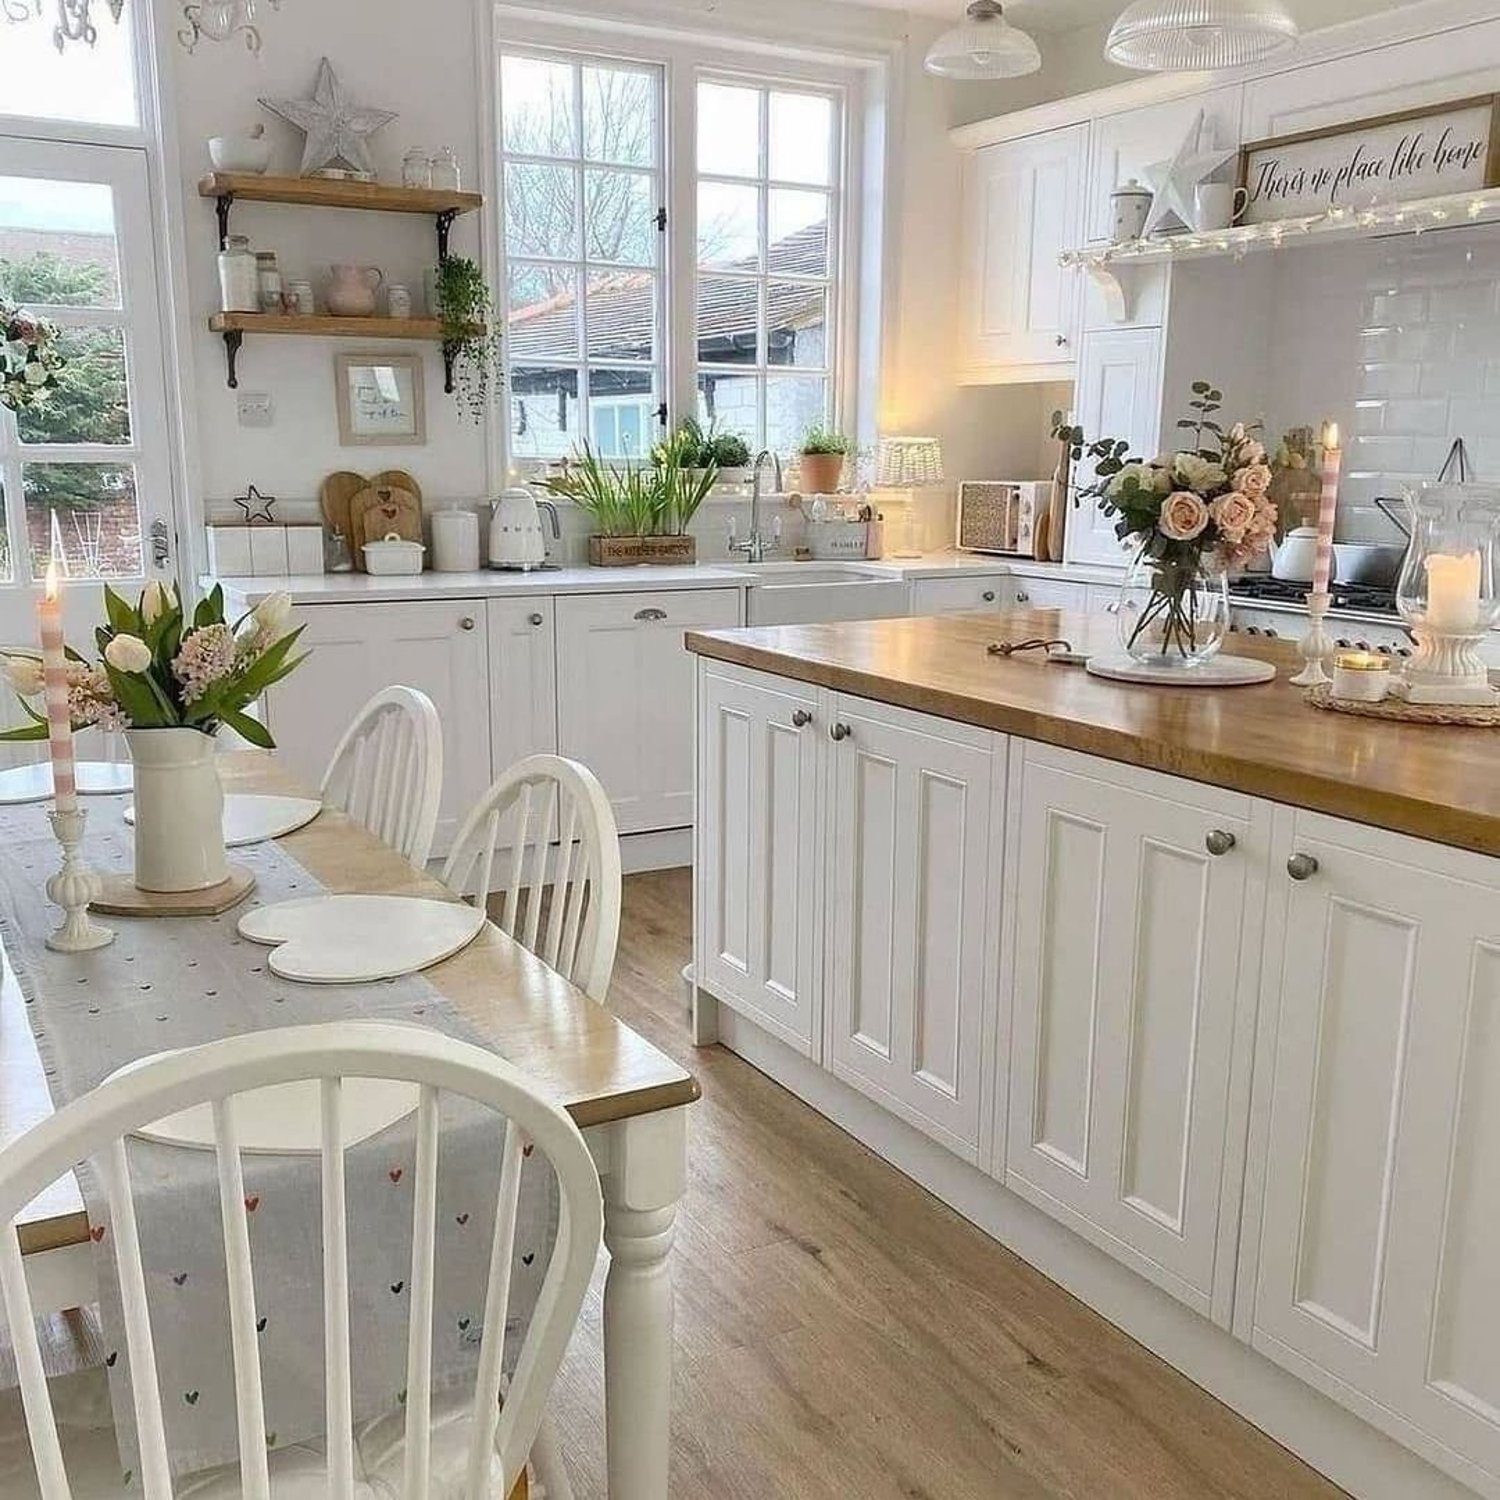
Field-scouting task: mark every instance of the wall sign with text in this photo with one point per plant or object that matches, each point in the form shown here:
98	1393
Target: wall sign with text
1418	153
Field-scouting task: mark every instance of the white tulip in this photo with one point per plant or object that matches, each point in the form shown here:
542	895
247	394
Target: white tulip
128	653
273	614
154	602
24	674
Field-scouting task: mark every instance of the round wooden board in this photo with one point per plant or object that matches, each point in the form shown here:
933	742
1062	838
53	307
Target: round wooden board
1218	671
359	939
95	778
253	819
121	897
1399	711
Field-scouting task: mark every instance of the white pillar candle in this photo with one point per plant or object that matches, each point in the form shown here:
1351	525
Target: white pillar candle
1327	507
55	681
1453	591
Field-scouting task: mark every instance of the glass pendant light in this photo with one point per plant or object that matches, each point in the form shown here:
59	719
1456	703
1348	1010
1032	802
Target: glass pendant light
1174	36
984	45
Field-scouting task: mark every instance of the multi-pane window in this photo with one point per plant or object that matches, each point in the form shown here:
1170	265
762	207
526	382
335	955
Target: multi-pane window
581	185
768	159
77	82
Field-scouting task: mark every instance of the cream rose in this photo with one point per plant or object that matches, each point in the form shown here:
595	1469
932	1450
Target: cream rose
24	673
128	653
1233	514
1253	479
1183	516
1197	473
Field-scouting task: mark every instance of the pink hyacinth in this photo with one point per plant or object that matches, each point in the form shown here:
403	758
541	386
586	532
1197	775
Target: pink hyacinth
206	656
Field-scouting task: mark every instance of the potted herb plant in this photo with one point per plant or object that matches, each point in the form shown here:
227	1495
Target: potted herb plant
823	452
726	453
461	301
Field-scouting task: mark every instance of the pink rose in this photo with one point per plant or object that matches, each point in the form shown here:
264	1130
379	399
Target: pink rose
1183	516
1233	514
1253	479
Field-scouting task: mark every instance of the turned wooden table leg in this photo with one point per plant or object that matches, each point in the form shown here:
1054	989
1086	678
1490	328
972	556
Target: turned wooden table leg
643	1183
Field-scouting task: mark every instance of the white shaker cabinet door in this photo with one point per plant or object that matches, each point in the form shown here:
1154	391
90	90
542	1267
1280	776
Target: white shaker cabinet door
1138	903
914	914
942	596
1020	307
1119	396
523	679
1379	1267
759	840
625	695
438	647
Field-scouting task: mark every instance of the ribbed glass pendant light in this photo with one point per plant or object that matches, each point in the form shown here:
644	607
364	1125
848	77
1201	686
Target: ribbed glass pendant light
984	45
1177	36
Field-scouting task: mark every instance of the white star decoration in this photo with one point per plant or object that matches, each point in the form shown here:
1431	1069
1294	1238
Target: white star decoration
1172	182
337	131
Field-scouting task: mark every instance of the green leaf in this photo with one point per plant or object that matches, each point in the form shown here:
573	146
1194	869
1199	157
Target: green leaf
25	732
252	729
123	620
135	694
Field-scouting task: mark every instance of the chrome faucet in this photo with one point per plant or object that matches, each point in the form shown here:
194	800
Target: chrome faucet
755	546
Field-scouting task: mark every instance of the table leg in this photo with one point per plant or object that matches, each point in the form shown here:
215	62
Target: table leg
643	1183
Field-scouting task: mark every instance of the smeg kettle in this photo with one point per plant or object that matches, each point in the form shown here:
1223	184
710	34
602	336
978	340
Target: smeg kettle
516	539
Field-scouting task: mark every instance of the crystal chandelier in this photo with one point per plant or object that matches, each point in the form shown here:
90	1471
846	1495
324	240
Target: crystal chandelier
1172	36
983	45
74	23
218	20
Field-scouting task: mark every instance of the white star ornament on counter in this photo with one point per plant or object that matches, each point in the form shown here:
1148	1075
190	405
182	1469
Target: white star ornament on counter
1173	182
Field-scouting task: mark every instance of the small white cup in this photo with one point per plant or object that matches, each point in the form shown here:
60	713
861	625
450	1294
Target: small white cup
1215	205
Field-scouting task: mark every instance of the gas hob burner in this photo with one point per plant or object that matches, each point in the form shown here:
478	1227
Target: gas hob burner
1261	588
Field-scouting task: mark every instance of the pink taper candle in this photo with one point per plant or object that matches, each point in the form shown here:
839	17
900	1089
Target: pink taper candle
55	679
1327	507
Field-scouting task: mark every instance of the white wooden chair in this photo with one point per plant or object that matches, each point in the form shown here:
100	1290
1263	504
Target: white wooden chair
480	1454
515	819
387	771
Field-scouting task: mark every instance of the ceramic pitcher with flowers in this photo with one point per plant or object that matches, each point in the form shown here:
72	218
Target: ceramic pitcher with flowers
351	290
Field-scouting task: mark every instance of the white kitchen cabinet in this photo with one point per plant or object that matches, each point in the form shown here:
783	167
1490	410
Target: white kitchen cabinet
1119	395
1137	931
523	678
438	647
758	845
941	596
1122	146
625	695
911	925
1023	207
1049	593
1379	1235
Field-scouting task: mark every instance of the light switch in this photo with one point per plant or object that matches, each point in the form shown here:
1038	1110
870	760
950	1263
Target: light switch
255	408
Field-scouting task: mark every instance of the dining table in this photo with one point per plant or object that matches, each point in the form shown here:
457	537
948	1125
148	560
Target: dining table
628	1098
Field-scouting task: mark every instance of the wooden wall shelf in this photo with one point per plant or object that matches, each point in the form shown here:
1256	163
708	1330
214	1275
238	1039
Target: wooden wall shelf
321	192
235	325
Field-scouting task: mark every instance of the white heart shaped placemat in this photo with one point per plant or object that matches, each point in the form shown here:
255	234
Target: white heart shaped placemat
252	818
95	778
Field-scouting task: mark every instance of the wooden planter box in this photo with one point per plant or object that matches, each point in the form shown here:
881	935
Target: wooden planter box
628	551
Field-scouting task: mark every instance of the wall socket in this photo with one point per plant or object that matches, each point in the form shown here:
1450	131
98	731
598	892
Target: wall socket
255	408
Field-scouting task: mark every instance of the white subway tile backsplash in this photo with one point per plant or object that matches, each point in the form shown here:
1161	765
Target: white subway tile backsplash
1390	378
1475	418
1419	417
1398	307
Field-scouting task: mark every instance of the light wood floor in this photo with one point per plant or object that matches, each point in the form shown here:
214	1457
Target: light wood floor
842	1334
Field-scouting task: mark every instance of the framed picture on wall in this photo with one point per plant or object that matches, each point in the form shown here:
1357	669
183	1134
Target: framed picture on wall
380	399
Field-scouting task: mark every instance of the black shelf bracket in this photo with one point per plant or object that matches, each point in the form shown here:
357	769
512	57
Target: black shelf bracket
444	225
224	202
450	353
233	338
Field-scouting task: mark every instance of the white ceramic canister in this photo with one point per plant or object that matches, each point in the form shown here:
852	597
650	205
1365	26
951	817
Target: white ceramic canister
1131	203
455	541
179	810
239	286
398	300
268	281
303	301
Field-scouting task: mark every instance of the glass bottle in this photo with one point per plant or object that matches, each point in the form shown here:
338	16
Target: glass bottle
445	174
239	287
416	169
268	281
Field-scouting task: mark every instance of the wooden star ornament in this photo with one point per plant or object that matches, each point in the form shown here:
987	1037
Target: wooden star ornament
257	507
338	130
1173	182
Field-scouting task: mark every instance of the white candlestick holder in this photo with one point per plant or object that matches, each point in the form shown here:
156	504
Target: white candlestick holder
1316	647
72	888
1446	668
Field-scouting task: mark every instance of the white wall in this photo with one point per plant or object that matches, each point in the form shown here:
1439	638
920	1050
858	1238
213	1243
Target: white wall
419	61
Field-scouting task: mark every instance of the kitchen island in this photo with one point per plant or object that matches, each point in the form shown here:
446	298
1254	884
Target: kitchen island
1190	997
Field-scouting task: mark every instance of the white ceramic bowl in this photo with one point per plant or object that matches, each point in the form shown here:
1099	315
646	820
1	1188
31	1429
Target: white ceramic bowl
393	557
239	153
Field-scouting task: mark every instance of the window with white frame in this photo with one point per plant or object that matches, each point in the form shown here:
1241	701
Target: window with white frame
581	188
768	159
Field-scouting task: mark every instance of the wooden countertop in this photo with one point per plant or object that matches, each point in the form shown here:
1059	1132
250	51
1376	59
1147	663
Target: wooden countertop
572	1048
1434	782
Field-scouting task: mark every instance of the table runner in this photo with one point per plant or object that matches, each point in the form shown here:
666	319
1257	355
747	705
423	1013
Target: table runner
178	982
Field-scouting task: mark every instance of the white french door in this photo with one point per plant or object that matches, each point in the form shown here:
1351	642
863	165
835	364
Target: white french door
84	475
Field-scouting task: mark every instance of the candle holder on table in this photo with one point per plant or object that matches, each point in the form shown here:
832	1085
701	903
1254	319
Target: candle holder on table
1446	592
1316	646
72	888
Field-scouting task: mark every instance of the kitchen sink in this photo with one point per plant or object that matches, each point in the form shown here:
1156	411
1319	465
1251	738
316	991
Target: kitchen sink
806	594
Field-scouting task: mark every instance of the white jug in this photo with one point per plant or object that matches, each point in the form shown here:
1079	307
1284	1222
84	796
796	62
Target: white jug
516	539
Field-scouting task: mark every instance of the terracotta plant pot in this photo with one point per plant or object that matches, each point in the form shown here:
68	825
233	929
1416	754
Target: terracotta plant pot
821	472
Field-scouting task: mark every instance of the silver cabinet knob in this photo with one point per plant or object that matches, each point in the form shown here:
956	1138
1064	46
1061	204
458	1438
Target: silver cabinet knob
1022	597
1219	841
988	596
1062	341
467	623
535	618
801	718
1302	867
1113	607
651	614
839	732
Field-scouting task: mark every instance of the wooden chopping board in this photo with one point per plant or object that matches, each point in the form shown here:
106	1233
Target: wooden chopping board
367	510
334	496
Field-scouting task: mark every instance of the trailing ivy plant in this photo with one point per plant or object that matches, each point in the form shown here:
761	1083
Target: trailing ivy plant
471	333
